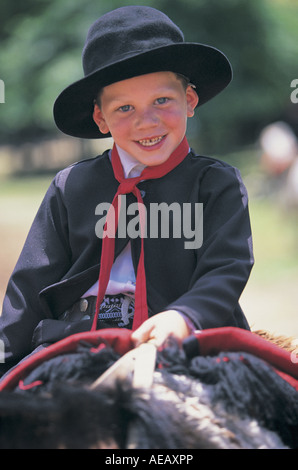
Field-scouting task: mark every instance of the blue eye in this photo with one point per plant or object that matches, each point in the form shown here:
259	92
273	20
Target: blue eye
125	108
162	100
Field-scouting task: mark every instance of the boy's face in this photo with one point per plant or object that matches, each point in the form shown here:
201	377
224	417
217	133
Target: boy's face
146	115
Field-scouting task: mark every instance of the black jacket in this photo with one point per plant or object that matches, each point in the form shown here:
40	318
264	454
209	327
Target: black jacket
60	258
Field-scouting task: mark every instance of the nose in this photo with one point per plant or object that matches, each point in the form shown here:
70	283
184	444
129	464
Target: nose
147	118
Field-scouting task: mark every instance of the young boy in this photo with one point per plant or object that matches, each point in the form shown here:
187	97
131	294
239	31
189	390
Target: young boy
142	82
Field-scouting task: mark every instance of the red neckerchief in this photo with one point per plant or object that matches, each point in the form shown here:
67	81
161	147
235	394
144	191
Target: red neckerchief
126	186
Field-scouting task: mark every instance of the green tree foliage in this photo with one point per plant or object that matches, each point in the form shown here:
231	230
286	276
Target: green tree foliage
40	54
258	45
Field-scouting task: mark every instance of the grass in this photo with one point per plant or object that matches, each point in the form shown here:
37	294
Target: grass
275	240
271	297
274	227
24	186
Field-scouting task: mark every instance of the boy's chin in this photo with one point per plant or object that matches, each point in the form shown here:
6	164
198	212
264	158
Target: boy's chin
152	155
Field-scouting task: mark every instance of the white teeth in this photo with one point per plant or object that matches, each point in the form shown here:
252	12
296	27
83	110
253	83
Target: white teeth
150	142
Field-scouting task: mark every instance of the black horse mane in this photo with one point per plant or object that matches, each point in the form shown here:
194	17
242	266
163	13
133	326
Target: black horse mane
55	407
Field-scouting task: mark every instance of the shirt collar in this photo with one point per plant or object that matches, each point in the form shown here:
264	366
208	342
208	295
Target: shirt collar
131	166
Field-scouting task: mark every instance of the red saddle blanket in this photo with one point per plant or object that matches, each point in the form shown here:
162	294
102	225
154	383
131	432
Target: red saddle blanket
205	343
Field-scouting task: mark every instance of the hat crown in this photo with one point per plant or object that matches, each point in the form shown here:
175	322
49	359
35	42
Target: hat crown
121	33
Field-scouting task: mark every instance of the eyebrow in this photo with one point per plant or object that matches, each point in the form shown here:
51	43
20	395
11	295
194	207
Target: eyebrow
121	100
160	92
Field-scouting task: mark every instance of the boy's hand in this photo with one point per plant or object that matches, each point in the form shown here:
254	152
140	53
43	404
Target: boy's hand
159	327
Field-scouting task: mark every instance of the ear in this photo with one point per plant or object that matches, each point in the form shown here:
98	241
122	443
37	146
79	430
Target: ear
192	100
99	120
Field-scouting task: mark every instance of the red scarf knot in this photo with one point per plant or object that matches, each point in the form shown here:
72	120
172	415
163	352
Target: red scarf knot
128	186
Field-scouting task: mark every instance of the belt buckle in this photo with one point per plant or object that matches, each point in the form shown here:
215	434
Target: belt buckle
84	304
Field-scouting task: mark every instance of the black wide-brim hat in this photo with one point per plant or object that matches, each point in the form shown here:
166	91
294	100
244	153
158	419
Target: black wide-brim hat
132	41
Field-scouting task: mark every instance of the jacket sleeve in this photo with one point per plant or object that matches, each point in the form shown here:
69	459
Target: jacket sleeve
225	259
44	258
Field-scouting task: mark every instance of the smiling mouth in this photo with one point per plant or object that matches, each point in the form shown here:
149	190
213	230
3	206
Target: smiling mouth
151	142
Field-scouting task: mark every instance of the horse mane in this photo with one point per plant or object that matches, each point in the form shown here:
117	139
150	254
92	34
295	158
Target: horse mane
289	343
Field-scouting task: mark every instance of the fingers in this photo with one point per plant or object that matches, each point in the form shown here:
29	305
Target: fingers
159	327
143	334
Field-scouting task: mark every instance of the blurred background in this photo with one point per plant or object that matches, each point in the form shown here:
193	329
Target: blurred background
253	124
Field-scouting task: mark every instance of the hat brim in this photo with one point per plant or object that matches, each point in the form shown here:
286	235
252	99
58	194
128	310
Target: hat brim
206	67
